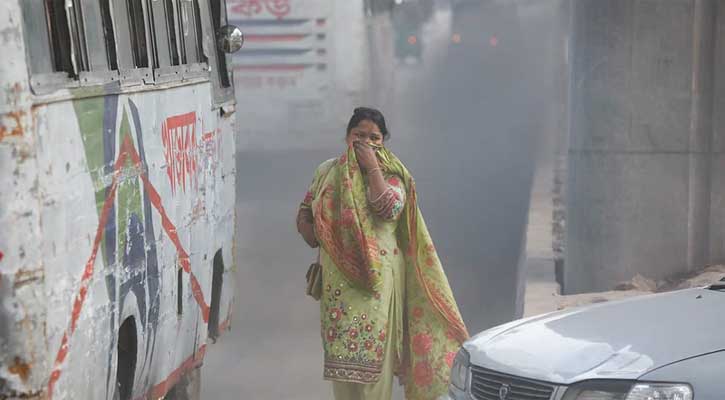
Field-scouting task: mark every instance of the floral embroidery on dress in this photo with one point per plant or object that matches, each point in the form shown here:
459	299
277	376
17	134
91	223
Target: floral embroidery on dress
352	339
422	344
423	373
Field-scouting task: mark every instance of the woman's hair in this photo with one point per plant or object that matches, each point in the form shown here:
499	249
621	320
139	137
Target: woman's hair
371	114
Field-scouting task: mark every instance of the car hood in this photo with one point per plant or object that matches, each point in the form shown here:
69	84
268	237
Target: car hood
618	340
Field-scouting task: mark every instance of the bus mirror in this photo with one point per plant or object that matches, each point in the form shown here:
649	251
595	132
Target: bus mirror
230	39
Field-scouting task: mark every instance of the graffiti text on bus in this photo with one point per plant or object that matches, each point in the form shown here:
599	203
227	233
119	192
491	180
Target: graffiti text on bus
278	8
180	150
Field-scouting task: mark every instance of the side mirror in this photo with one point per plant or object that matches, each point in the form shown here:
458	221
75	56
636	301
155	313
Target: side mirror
230	39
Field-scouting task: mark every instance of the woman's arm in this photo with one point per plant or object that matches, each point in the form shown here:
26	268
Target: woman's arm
376	183
305	220
391	202
306	226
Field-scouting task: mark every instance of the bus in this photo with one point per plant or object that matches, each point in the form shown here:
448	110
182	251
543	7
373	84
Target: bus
305	65
117	204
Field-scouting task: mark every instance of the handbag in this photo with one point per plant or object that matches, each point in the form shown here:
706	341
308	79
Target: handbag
314	279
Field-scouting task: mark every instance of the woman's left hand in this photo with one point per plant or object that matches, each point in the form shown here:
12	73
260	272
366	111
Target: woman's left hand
365	154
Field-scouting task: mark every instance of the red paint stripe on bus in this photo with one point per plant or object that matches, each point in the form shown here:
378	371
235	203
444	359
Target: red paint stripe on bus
162	388
85	278
183	256
127	150
170	229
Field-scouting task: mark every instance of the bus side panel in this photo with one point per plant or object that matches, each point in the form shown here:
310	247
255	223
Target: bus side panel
22	300
175	123
68	212
190	156
141	192
225	217
14	91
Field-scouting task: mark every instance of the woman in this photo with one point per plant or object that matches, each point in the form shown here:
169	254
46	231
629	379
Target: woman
386	305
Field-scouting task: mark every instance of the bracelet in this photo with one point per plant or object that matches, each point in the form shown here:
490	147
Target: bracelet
373	202
375	169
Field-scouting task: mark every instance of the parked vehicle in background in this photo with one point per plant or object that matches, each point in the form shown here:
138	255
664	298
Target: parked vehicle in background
408	18
667	346
117	169
303	69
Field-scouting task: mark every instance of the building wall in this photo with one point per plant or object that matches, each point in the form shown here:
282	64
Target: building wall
640	182
717	202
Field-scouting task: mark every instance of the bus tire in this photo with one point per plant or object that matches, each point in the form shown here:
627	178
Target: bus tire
188	388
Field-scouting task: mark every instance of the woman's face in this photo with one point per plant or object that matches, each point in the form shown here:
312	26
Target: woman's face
367	132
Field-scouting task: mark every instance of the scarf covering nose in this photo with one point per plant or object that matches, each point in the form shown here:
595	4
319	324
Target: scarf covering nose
344	227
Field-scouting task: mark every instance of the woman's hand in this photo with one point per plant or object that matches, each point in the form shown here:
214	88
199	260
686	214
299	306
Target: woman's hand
365	154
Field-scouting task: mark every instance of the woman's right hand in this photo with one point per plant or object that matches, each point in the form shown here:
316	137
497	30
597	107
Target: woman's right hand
366	157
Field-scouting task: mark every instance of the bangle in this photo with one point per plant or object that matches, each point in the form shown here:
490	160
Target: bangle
370	171
373	202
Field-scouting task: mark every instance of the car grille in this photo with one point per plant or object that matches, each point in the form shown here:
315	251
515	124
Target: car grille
487	384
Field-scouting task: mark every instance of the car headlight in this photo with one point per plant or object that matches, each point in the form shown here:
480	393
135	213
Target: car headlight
621	390
651	391
599	390
459	370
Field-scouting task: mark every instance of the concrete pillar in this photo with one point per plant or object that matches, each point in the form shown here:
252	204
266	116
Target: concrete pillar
639	182
700	143
717	178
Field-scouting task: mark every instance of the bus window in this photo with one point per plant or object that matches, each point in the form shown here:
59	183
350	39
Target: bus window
162	53
47	36
173	33
96	38
130	29
41	56
190	31
219	19
79	57
122	34
109	34
137	27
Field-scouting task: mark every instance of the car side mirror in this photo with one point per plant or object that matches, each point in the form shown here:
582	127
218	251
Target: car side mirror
230	39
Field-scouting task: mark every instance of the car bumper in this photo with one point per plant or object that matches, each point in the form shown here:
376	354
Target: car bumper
455	394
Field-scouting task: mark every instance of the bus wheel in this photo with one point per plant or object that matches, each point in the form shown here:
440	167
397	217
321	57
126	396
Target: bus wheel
126	369
188	388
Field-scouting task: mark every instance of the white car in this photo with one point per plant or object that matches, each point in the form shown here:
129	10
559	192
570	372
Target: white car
660	347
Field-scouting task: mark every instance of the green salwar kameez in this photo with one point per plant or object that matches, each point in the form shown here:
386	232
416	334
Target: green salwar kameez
386	307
